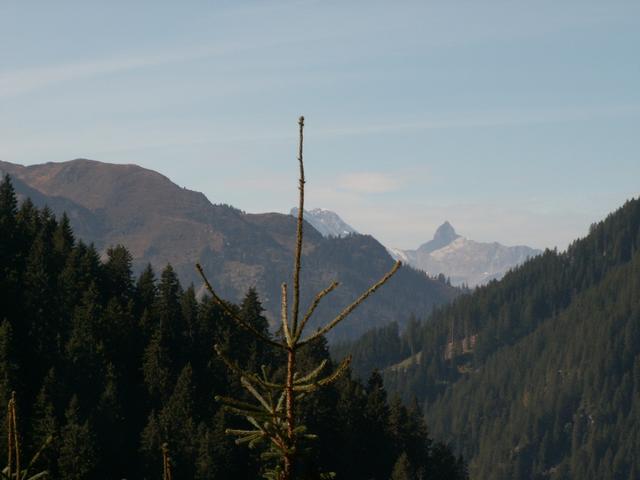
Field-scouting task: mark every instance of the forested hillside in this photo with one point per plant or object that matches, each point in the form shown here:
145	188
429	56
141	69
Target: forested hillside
538	375
113	367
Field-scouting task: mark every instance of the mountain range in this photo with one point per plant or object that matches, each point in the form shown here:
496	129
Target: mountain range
536	375
464	261
160	222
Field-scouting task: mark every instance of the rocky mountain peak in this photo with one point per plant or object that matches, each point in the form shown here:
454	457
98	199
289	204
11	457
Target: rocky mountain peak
328	223
464	261
445	234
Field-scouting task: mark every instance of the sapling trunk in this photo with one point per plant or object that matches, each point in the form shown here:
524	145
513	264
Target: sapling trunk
273	418
13	470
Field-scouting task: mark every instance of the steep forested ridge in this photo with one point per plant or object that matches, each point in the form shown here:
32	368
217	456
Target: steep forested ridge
538	375
113	367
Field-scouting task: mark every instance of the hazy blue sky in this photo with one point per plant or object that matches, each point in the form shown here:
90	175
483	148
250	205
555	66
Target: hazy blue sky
516	121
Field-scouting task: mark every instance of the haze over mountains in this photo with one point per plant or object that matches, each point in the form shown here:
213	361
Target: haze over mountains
160	223
464	261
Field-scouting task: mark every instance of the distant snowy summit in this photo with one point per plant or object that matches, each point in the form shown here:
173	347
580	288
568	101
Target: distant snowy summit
328	223
464	261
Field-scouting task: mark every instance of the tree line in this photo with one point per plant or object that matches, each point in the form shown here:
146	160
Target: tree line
113	367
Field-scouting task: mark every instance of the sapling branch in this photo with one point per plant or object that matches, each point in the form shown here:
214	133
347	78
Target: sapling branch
230	313
352	307
311	375
337	373
312	308
284	315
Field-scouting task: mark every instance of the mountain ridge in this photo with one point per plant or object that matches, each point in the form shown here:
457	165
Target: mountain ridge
444	235
160	222
466	262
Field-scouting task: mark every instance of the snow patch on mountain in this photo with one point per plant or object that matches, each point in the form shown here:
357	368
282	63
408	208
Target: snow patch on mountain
464	261
328	223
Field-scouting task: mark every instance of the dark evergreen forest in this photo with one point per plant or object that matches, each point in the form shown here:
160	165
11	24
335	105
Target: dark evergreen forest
113	367
538	375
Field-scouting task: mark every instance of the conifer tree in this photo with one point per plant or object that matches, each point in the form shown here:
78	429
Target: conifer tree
175	422
8	204
403	470
146	290
168	300
146	293
377	436
255	352
111	427
63	239
39	285
189	306
8	367
84	349
118	273
77	459
157	367
44	423
272	415
8	219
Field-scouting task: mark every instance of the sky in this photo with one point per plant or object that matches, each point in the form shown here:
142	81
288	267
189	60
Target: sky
518	122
